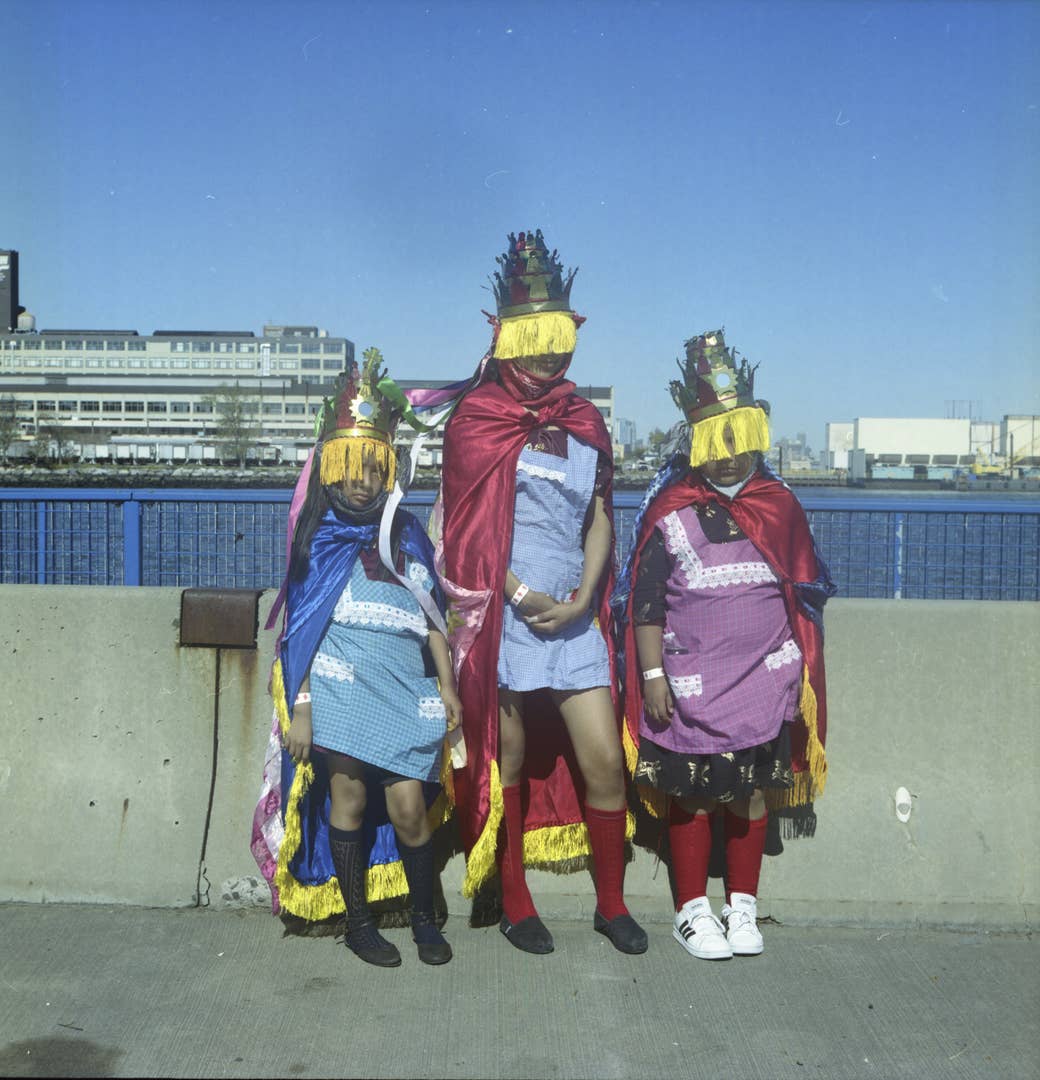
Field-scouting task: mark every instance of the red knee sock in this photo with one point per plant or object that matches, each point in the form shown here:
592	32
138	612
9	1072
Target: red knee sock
516	898
689	837
607	840
745	843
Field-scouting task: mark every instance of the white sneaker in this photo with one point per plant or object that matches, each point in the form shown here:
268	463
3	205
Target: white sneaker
699	932
740	916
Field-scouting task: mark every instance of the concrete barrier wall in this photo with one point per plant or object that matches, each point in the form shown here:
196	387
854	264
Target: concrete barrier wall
129	765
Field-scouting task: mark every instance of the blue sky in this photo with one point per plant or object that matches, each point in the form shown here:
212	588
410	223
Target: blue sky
850	188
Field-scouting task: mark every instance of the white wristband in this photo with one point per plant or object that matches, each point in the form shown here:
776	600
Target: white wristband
654	673
302	699
517	598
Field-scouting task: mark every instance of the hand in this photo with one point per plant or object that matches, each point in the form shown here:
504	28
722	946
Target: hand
559	615
534	603
452	707
658	703
299	737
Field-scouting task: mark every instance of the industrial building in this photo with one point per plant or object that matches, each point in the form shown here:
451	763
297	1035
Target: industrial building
928	447
120	395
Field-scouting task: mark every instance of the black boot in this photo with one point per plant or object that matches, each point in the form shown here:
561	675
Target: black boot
418	869
362	937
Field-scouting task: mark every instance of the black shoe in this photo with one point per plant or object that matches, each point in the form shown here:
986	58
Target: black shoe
529	935
625	934
433	949
434	953
370	945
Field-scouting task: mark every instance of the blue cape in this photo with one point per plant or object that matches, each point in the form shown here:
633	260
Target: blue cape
310	603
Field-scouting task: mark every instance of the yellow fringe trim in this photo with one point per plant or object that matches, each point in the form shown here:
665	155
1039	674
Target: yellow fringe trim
809	784
750	428
654	801
480	863
382	882
630	748
556	844
342	456
535	335
311	902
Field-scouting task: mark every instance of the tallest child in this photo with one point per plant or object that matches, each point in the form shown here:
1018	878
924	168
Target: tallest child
526	551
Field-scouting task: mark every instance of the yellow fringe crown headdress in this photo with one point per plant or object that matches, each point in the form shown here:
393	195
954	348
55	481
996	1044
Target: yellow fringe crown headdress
717	392
358	419
533	299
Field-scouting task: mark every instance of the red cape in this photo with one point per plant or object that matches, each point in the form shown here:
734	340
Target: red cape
772	518
482	443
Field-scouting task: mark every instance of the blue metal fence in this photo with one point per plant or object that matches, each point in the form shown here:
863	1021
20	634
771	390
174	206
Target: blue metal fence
968	547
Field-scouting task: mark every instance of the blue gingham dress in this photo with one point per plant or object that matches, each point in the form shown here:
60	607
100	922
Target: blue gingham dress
552	497
370	695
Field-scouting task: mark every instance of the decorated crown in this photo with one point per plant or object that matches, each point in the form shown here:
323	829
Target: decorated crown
534	301
531	280
717	392
357	418
713	381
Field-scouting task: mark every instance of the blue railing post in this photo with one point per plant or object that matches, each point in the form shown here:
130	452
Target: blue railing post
41	542
897	556
131	542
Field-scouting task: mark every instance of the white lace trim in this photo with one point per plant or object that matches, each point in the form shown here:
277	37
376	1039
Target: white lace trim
678	545
708	577
788	653
419	574
540	470
431	708
685	686
331	667
745	573
353	612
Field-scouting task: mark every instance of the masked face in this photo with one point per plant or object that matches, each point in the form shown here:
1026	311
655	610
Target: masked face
524	383
730	470
360	492
546	365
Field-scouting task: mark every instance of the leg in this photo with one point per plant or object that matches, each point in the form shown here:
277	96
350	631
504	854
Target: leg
745	829
350	859
689	836
590	721
592	727
347	793
407	809
520	922
511	737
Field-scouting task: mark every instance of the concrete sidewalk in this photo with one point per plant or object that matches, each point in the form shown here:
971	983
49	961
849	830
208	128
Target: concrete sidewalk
118	991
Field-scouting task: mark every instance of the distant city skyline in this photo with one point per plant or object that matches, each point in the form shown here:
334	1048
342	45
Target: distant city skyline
824	180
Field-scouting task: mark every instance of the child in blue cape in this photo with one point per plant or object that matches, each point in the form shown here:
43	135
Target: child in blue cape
364	662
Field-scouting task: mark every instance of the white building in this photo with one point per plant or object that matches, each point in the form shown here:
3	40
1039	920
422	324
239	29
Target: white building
161	393
839	442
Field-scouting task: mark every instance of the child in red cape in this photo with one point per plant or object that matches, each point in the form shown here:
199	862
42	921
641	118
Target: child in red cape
526	560
723	643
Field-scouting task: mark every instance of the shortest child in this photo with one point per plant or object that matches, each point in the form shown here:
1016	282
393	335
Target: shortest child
359	661
724	657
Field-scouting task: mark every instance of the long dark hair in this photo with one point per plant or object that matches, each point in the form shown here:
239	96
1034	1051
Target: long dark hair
314	508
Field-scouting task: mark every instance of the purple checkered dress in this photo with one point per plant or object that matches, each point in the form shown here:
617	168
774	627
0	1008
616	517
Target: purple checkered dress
731	662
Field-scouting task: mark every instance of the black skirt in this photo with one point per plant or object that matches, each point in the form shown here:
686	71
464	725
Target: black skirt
723	777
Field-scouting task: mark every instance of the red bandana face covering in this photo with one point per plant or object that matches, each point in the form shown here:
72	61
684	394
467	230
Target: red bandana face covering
523	385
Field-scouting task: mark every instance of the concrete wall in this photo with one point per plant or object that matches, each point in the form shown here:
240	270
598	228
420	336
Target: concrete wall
113	737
